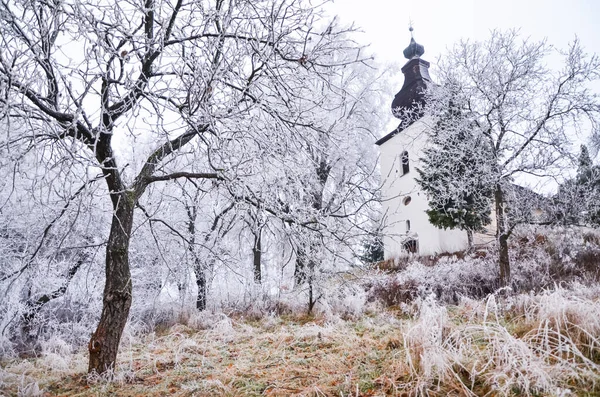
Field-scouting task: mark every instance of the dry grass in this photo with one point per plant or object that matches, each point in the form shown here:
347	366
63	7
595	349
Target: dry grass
544	345
278	357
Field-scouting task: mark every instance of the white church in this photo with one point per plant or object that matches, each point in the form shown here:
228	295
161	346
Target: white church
407	227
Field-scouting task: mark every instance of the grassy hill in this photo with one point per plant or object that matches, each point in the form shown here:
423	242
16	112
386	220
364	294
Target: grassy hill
424	326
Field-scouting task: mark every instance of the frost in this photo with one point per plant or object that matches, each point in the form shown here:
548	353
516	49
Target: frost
424	342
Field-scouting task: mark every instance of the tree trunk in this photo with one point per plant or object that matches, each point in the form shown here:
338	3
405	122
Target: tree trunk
256	255
469	239
300	268
201	296
304	270
504	260
201	283
502	236
305	273
116	301
311	300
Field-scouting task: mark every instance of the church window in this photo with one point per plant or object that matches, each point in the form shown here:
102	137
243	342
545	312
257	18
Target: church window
407	226
411	246
405	163
406	200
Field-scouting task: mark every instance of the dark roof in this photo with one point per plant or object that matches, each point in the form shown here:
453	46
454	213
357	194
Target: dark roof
411	96
400	128
412	93
413	50
387	137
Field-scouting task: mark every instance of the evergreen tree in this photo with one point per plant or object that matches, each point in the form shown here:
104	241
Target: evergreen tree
585	162
587	186
373	248
451	174
578	199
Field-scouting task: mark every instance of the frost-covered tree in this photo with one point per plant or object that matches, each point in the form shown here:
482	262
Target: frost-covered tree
522	111
588	186
335	174
148	91
584	162
48	237
454	173
578	199
320	185
373	249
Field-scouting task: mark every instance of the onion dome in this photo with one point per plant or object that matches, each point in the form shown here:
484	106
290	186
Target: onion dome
416	79
414	50
408	102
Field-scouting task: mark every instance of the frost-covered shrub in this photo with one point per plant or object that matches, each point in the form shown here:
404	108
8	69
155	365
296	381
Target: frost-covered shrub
342	298
588	261
206	320
448	280
424	342
540	257
560	254
392	292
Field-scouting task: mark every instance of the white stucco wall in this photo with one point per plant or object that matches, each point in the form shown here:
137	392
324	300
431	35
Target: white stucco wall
396	187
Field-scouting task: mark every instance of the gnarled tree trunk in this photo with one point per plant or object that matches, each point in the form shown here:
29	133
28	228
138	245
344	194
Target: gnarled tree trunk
502	236
469	240
201	297
256	256
104	343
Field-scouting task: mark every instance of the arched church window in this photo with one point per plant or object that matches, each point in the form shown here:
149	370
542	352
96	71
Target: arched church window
405	163
407	226
411	246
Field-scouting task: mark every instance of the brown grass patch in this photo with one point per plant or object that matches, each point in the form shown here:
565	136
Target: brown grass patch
303	356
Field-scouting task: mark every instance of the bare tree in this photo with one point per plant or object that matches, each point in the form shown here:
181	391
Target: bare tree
170	82
256	222
333	171
216	231
522	113
47	235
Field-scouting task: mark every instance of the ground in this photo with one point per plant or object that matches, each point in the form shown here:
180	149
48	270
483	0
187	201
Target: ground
418	326
529	345
278	356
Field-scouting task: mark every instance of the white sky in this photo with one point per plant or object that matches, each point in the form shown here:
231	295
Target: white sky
440	23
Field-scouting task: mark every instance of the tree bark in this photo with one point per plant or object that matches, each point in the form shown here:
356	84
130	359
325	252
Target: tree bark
202	286
300	268
502	237
469	239
198	268
104	343
311	300
503	260
256	255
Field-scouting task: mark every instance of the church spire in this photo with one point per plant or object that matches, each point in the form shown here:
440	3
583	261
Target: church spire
416	79
414	50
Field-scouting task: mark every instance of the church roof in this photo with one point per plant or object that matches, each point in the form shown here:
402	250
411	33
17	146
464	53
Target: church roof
389	136
411	96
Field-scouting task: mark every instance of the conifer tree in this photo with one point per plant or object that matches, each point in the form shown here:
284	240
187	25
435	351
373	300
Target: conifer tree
587	185
458	196
576	202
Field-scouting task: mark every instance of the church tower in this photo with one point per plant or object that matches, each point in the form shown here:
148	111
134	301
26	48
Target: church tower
407	228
